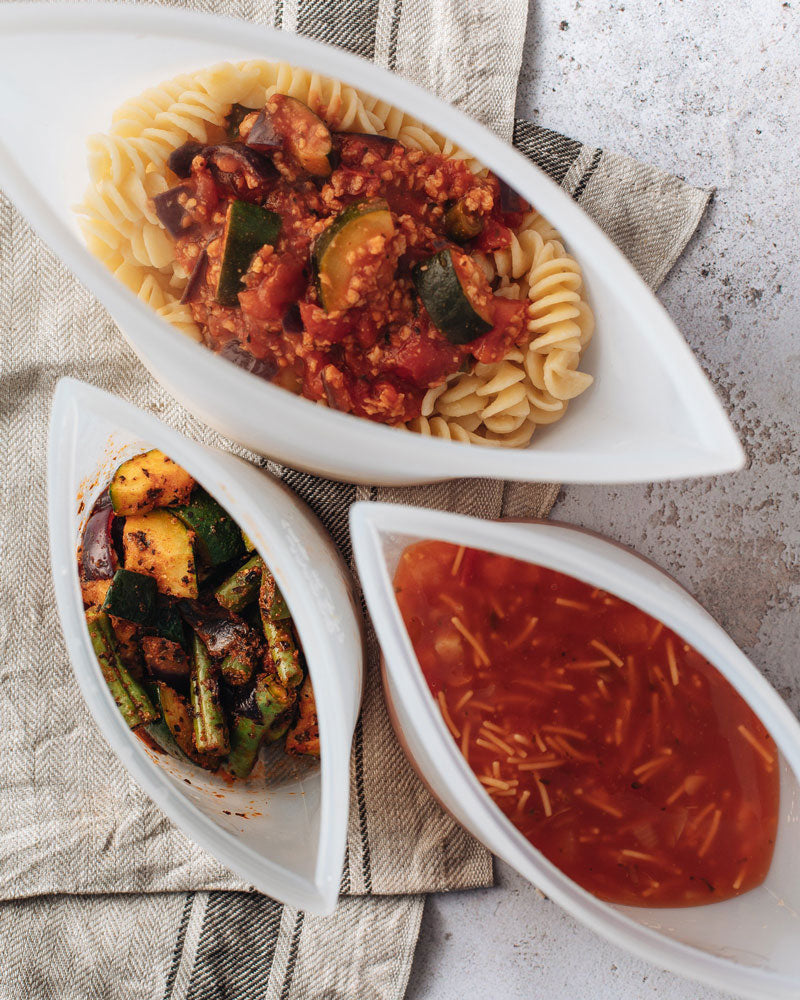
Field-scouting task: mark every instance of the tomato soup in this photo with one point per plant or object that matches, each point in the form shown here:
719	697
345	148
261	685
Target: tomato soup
611	744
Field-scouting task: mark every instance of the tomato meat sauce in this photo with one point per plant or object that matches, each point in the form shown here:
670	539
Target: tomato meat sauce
612	745
312	284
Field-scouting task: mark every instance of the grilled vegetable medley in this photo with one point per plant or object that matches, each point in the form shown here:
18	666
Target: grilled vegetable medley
192	634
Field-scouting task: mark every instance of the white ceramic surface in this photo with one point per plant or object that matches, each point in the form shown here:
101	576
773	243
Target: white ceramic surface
747	945
290	843
650	415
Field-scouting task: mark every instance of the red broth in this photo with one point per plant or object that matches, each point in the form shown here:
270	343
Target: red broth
612	745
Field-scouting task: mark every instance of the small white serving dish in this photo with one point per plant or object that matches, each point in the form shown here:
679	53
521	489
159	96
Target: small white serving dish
290	842
748	945
651	413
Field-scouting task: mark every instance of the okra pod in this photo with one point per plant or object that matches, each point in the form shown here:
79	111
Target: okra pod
271	600
210	729
284	654
242	587
131	698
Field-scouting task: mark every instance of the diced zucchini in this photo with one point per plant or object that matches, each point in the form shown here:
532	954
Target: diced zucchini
248	228
166	660
131	596
302	738
248	542
439	286
461	224
241	588
177	717
161	546
148	481
218	537
337	252
167	622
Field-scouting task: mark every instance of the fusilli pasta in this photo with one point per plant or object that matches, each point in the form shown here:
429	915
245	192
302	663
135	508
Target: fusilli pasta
498	405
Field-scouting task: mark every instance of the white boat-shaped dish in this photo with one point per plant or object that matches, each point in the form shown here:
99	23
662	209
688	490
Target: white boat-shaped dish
288	840
651	413
747	945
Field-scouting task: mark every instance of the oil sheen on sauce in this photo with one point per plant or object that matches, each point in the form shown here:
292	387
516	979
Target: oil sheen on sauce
612	745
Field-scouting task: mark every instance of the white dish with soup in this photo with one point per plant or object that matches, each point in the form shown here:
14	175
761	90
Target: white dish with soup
200	602
577	711
352	239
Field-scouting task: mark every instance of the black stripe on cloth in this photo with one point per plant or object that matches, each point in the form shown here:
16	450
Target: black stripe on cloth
344	887
292	959
278	13
350	27
552	152
576	194
329	500
236	947
361	799
177	951
393	31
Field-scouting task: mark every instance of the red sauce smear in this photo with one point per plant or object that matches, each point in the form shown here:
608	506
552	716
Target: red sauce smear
611	744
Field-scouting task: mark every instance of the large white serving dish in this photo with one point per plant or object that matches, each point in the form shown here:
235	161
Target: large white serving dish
651	413
748	945
288	840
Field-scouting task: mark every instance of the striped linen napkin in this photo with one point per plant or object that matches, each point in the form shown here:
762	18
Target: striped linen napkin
102	896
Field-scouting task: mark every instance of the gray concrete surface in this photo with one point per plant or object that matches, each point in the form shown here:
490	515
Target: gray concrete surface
707	89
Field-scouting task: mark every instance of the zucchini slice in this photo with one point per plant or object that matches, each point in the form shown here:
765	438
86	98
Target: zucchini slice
173	732
131	596
439	286
218	536
248	228
167	622
148	481
336	252
461	224
302	134
159	545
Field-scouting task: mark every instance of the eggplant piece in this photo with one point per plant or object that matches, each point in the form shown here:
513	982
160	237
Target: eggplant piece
292	321
196	278
383	145
243	171
239	701
242	358
301	133
221	631
180	159
511	200
262	135
171	211
98	555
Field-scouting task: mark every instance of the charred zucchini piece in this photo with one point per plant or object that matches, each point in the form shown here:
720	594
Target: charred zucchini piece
241	588
166	660
461	224
161	546
131	697
234	119
167	622
218	538
439	286
210	730
148	481
131	596
173	731
302	134
270	600
302	738
248	228
335	254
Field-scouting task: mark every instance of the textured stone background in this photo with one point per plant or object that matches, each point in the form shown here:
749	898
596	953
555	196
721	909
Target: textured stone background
707	89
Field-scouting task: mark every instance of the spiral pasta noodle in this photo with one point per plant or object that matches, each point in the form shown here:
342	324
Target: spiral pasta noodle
498	405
